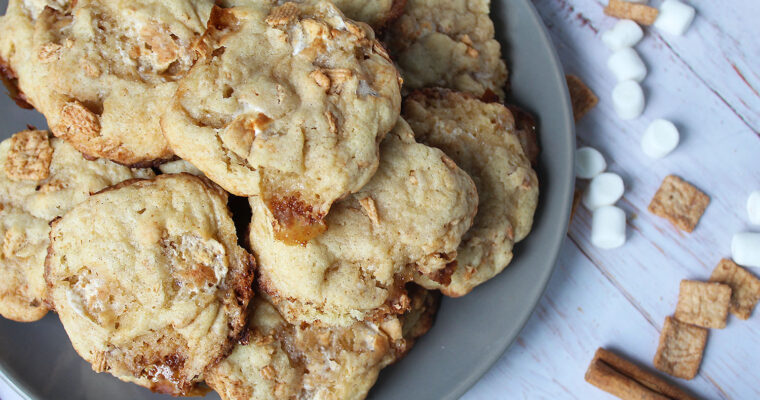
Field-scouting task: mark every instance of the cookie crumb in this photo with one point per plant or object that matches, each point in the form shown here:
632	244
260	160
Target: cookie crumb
640	13
745	287
703	304
679	202
681	348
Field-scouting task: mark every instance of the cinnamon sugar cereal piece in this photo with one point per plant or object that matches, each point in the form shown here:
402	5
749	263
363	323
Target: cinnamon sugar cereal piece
581	96
641	13
29	156
626	380
680	350
679	202
703	304
745	287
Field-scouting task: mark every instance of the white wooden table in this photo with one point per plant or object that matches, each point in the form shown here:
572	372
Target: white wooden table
708	83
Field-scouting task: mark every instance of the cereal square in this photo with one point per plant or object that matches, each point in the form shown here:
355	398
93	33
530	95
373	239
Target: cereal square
745	287
29	156
680	350
582	98
640	13
679	202
703	304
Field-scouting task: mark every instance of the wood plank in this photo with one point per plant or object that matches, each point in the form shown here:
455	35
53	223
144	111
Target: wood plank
581	311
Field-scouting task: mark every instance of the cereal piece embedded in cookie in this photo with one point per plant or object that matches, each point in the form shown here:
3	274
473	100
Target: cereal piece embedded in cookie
745	287
288	103
156	291
640	13
680	350
581	96
29	156
409	219
41	178
703	304
679	202
626	380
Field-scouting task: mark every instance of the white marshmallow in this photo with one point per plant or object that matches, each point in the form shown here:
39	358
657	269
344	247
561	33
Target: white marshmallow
639	1
660	138
627	65
625	33
745	249
589	162
608	227
674	17
753	207
604	190
628	100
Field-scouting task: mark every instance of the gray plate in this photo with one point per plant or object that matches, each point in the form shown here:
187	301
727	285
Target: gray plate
470	333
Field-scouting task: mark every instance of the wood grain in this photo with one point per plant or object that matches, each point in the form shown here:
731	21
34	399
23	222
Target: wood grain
707	83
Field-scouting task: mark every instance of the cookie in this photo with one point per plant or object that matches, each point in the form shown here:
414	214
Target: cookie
641	13
377	13
102	72
288	103
179	166
480	137
155	290
408	219
448	44
40	179
282	361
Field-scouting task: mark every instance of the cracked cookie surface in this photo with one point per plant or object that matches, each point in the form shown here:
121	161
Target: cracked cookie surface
40	179
155	292
448	44
102	72
285	361
408	219
288	102
481	138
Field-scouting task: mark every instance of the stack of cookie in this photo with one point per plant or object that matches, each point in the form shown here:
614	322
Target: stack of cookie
366	195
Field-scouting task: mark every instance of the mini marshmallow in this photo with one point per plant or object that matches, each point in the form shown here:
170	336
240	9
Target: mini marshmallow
628	100
745	249
660	138
604	190
608	227
625	33
589	163
639	1
753	207
674	17
626	64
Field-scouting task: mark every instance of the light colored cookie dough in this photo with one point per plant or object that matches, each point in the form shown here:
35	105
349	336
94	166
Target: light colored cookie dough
40	179
179	166
448	43
284	361
408	219
376	13
149	282
102	72
288	103
480	137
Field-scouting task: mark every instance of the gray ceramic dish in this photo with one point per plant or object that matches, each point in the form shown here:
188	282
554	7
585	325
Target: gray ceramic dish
470	333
